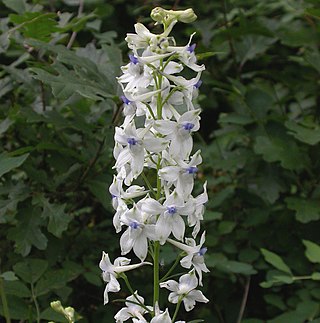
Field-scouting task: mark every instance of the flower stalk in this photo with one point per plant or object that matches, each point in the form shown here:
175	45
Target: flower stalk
160	117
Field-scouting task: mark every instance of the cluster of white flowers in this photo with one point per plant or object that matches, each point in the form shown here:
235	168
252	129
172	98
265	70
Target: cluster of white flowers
155	144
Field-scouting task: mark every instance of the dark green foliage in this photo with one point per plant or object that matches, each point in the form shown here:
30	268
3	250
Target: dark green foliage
260	140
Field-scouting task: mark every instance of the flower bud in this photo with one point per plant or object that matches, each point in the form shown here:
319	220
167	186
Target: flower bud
163	16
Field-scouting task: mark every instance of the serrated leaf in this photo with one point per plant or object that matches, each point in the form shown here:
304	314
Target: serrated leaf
36	25
66	83
252	45
275	261
310	136
31	269
312	251
306	209
27	233
8	163
58	219
279	149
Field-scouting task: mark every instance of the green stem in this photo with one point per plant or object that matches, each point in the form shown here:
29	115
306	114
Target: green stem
177	309
4	302
171	269
34	298
148	184
125	278
156	273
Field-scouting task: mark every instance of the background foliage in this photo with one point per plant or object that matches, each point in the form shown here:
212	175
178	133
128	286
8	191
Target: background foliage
259	138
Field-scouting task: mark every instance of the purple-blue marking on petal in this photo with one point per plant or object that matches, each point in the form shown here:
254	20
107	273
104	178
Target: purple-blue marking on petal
171	210
134	225
202	251
132	141
198	84
125	100
188	126
191	48
192	170
133	59
113	196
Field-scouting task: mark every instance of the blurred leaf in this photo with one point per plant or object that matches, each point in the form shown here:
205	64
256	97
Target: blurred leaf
31	269
17	288
9	276
251	46
310	136
275	261
18	308
67	82
226	227
27	233
58	219
280	149
18	6
8	163
36	25
312	251
306	209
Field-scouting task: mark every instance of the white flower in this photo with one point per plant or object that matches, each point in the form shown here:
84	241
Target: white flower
110	271
185	290
196	216
195	255
180	133
170	219
134	142
137	234
132	310
182	175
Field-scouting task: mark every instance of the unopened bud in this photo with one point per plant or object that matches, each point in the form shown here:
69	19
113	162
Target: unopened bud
163	16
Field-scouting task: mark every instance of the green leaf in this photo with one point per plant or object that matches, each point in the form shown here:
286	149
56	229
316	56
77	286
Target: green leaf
31	269
58	219
307	210
236	267
310	136
314	12
27	233
67	82
18	6
280	149
9	275
8	163
277	279
275	261
251	46
315	276
312	251
17	288
226	227
36	25
19	309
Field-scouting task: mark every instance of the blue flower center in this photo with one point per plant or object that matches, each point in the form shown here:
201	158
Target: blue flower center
188	126
134	225
202	251
133	59
198	84
132	141
171	210
192	170
191	48
125	100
